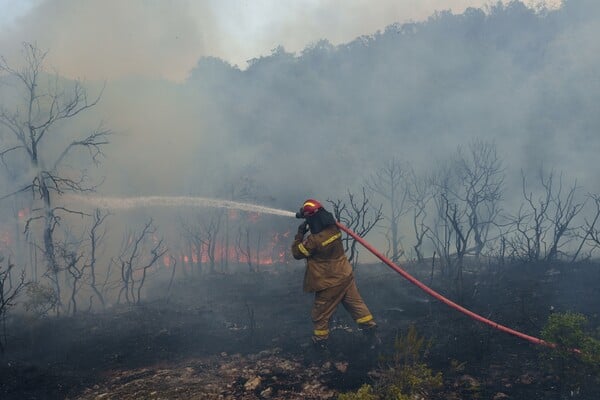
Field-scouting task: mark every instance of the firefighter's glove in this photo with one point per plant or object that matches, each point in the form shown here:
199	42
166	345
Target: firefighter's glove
302	229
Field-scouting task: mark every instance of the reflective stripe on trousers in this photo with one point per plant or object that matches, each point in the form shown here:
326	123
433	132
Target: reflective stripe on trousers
327	300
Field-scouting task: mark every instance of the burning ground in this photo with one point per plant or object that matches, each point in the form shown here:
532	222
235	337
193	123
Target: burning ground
245	335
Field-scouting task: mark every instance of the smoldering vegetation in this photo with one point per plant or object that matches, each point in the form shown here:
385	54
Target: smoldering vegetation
462	146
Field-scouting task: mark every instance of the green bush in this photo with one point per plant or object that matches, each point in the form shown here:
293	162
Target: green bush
403	375
364	393
576	358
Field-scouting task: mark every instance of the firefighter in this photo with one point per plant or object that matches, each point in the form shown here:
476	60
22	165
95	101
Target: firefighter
328	273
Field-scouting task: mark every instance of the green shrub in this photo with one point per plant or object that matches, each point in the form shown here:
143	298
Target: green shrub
364	393
406	373
576	357
403	375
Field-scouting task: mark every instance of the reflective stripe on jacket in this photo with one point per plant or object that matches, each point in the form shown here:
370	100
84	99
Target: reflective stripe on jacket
326	262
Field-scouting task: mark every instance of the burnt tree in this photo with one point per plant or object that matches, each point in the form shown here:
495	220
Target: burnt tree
357	215
96	237
33	132
440	232
544	222
243	247
195	240
419	196
467	195
390	183
9	291
140	251
481	173
590	234
211	228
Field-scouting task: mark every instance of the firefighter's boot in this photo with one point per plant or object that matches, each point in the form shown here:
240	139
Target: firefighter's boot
320	349
372	339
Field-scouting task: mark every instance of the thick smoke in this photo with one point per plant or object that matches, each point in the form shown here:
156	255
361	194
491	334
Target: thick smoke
313	118
158	39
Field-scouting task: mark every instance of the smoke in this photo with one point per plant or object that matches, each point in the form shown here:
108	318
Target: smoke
112	39
314	118
164	39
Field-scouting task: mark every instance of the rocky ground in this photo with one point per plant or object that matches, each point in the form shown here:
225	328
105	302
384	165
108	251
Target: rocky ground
246	336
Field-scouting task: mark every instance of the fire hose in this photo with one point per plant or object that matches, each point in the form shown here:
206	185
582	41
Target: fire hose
445	300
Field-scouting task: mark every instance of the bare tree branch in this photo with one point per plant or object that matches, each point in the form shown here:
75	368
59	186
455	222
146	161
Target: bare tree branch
358	216
45	109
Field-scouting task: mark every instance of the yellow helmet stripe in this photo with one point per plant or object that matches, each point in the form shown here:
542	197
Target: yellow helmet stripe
310	203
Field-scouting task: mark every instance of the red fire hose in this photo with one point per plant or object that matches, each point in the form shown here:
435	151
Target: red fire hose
443	299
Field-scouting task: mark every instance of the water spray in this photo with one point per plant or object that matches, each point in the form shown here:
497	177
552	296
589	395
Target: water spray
125	203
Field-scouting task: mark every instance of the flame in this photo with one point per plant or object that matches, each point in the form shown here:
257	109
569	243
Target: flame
272	252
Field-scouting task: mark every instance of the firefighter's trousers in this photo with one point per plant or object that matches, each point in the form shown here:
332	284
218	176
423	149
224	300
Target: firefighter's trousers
327	300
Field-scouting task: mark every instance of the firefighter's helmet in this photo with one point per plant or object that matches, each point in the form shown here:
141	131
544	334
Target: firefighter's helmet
310	207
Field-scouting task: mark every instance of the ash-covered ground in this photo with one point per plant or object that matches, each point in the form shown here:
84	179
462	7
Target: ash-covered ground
246	335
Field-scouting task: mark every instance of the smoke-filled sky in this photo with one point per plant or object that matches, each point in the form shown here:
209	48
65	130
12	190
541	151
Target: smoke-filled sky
316	124
112	39
316	117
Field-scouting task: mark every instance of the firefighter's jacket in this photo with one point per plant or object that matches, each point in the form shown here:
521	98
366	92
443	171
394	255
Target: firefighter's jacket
326	262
